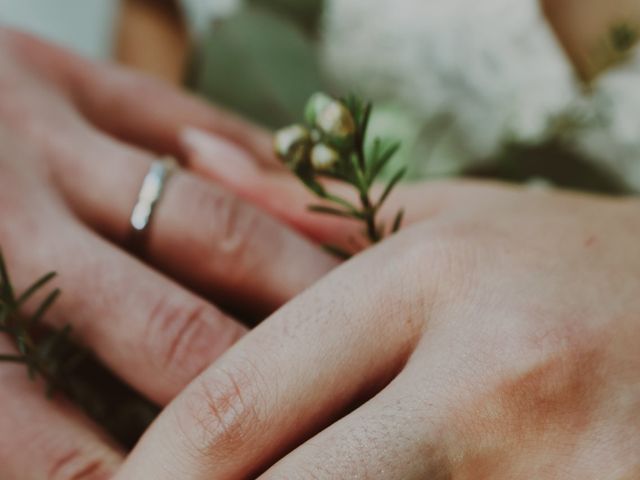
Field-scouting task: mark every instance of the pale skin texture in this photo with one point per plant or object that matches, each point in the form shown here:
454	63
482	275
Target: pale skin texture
76	141
495	338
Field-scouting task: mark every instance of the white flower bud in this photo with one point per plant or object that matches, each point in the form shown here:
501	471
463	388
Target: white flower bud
316	104
292	144
336	121
323	157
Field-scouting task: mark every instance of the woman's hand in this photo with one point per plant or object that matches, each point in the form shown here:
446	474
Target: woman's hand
69	177
496	338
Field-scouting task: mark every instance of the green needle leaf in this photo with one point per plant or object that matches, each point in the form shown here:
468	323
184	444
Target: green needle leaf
364	121
44	306
5	282
361	181
380	162
390	186
4	314
313	185
397	223
12	359
34	288
342	202
337	251
333	211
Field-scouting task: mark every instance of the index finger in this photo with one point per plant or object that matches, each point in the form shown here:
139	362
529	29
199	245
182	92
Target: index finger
301	369
202	235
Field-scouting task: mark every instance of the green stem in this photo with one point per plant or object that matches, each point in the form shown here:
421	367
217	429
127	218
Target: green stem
368	209
370	220
369	216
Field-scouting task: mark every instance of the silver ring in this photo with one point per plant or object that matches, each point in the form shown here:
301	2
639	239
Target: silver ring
151	192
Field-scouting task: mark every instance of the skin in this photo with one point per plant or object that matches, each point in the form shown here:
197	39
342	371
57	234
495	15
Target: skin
77	140
496	337
583	26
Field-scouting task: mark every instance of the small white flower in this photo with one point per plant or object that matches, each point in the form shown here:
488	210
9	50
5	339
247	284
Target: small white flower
292	143
323	157
336	121
316	104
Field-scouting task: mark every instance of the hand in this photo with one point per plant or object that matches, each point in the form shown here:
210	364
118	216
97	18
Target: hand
496	338
71	165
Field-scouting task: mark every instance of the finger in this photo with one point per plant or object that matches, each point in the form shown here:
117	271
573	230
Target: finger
402	433
135	107
277	191
146	111
283	382
202	235
152	333
284	196
385	439
47	438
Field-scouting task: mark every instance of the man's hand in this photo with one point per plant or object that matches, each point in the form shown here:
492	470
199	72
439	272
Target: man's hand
75	143
496	338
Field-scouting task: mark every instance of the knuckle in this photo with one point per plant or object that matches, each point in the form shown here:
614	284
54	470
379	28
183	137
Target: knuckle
434	272
79	465
176	326
222	413
229	229
550	383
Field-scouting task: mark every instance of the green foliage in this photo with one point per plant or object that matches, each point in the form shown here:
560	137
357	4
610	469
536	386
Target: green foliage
338	132
52	356
44	355
305	13
258	63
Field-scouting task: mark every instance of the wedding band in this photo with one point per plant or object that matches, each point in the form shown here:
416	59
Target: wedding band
150	194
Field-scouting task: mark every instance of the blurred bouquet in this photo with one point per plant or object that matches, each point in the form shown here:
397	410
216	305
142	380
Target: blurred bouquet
470	88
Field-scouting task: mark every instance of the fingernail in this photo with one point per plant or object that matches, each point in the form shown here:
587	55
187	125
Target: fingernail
217	157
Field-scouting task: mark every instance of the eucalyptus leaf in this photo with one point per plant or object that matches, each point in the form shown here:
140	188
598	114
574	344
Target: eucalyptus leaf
305	13
259	64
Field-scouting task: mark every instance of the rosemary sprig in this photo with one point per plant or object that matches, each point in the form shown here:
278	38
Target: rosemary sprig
333	145
44	352
68	368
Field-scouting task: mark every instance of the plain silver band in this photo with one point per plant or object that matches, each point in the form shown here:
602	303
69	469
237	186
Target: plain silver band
151	192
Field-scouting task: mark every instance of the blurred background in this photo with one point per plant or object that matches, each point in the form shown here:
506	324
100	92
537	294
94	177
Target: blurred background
472	88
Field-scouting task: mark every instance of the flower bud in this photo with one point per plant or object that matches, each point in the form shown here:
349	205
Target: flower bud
292	145
336	122
316	104
323	157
